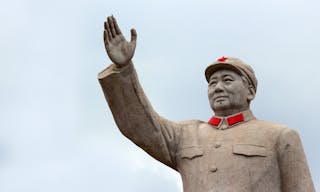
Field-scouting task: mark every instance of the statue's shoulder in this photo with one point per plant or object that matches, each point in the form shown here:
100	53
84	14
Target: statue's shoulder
191	122
269	125
265	132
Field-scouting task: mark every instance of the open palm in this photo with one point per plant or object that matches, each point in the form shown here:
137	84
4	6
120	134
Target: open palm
119	50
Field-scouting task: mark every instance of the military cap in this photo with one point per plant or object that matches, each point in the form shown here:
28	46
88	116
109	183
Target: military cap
234	64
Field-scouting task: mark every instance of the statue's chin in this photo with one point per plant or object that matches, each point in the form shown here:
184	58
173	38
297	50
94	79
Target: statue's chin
220	106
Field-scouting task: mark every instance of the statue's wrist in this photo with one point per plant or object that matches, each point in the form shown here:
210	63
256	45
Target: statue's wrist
122	65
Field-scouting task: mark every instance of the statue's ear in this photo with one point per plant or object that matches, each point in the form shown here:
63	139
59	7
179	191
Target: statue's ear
252	93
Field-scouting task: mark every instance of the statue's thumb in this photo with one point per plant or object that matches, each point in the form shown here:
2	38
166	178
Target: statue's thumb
133	35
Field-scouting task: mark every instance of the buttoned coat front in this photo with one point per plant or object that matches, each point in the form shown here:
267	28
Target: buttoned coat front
251	156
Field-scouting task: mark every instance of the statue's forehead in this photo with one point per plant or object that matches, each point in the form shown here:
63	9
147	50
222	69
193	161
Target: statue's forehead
224	71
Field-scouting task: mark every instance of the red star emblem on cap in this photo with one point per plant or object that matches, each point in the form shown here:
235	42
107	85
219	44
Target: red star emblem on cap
222	59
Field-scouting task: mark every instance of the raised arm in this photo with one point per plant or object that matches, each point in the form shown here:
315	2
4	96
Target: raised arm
130	108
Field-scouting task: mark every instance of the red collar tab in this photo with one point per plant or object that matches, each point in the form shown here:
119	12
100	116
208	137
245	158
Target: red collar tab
214	121
222	59
235	119
230	120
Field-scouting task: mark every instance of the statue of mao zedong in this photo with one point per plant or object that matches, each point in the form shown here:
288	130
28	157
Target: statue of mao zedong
232	152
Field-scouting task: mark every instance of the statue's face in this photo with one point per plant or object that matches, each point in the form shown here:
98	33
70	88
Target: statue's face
228	92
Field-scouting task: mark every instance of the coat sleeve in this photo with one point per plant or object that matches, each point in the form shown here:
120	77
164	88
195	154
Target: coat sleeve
135	116
295	174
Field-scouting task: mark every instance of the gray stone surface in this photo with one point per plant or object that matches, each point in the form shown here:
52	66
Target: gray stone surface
232	152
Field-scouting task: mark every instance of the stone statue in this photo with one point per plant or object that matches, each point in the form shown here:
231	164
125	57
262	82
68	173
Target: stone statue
232	152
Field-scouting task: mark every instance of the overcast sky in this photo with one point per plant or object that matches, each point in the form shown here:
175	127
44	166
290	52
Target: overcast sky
56	131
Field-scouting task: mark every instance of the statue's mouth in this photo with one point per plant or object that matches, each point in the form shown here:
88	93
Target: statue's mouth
220	98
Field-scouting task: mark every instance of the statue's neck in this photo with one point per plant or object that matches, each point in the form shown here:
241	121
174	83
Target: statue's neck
228	112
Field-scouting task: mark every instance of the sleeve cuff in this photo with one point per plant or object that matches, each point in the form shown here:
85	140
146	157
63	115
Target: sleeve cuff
113	68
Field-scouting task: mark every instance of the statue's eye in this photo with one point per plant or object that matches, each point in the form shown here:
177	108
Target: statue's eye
227	79
212	83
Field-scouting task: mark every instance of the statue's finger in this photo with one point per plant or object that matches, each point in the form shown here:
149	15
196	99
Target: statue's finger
106	41
111	25
105	25
108	30
118	31
105	37
133	35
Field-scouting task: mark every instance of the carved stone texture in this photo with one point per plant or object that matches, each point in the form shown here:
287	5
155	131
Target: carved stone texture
231	152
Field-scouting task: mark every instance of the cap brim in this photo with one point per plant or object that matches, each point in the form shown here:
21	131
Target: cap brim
217	66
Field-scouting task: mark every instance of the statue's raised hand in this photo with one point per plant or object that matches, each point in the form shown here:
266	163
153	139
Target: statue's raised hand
119	50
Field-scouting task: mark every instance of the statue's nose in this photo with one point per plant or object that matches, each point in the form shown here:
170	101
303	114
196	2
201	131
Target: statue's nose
219	87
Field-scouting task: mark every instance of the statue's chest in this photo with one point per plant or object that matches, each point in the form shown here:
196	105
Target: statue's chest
234	154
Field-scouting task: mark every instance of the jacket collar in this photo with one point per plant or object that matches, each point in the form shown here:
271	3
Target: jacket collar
232	120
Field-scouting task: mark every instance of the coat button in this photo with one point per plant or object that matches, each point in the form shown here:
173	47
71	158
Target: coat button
213	169
217	145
